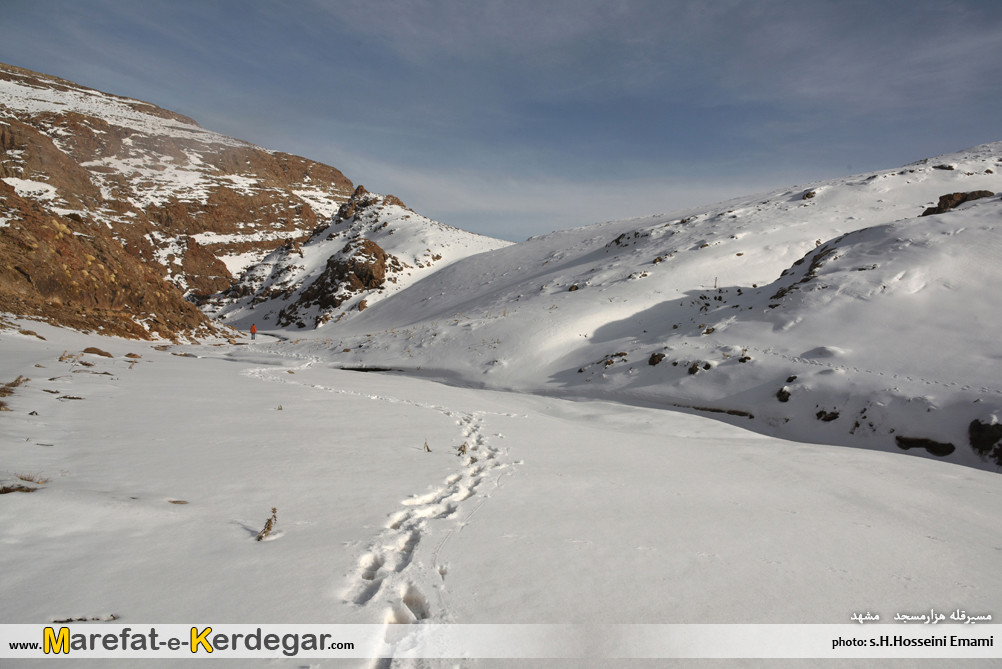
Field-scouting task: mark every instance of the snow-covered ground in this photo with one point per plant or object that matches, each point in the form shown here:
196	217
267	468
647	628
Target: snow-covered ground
831	313
162	469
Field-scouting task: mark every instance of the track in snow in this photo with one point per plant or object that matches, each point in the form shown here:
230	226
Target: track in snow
384	571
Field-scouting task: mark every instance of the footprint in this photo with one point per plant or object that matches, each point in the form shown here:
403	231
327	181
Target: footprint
406	549
400	614
436	511
463	493
428	498
370	564
415	602
366	592
398	519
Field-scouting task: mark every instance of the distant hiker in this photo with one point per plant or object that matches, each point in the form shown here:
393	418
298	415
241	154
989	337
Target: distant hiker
253	332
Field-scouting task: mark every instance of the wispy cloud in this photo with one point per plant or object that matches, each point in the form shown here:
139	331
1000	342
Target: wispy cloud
521	114
514	207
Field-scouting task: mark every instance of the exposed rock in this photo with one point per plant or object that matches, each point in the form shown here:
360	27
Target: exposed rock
951	200
361	265
783	394
655	358
78	274
93	350
143	181
827	416
204	273
729	412
985	438
936	448
820	257
360	203
572	288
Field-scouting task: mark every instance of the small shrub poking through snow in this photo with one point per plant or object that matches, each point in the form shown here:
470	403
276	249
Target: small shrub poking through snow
32	477
269	524
15	488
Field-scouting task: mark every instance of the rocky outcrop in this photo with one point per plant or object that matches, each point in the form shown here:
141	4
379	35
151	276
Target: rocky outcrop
951	200
372	248
985	440
362	204
939	449
359	267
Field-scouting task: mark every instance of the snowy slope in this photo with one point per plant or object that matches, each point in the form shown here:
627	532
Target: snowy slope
904	350
160	470
57	96
372	248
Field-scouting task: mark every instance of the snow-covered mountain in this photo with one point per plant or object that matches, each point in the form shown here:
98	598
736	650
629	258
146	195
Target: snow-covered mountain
165	184
174	202
832	312
372	248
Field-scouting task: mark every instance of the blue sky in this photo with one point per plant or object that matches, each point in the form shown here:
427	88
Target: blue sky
517	118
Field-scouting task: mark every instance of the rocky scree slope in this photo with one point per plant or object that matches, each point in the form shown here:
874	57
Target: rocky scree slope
70	271
372	248
855	311
194	206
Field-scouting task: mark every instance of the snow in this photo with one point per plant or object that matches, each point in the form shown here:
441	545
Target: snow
143	171
38	190
320	200
575	511
122	112
421	247
754	474
849	290
237	263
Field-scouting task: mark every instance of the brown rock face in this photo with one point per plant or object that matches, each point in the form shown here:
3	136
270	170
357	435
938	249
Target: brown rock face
204	272
172	196
951	200
76	273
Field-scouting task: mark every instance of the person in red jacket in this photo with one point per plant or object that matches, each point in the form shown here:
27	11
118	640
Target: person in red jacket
253	332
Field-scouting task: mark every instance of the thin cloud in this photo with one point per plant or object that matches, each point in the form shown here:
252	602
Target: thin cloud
527	114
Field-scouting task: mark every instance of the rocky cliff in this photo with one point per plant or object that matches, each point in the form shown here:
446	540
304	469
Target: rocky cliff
180	211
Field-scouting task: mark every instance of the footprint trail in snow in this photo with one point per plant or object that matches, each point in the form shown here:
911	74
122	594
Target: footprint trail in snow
387	573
